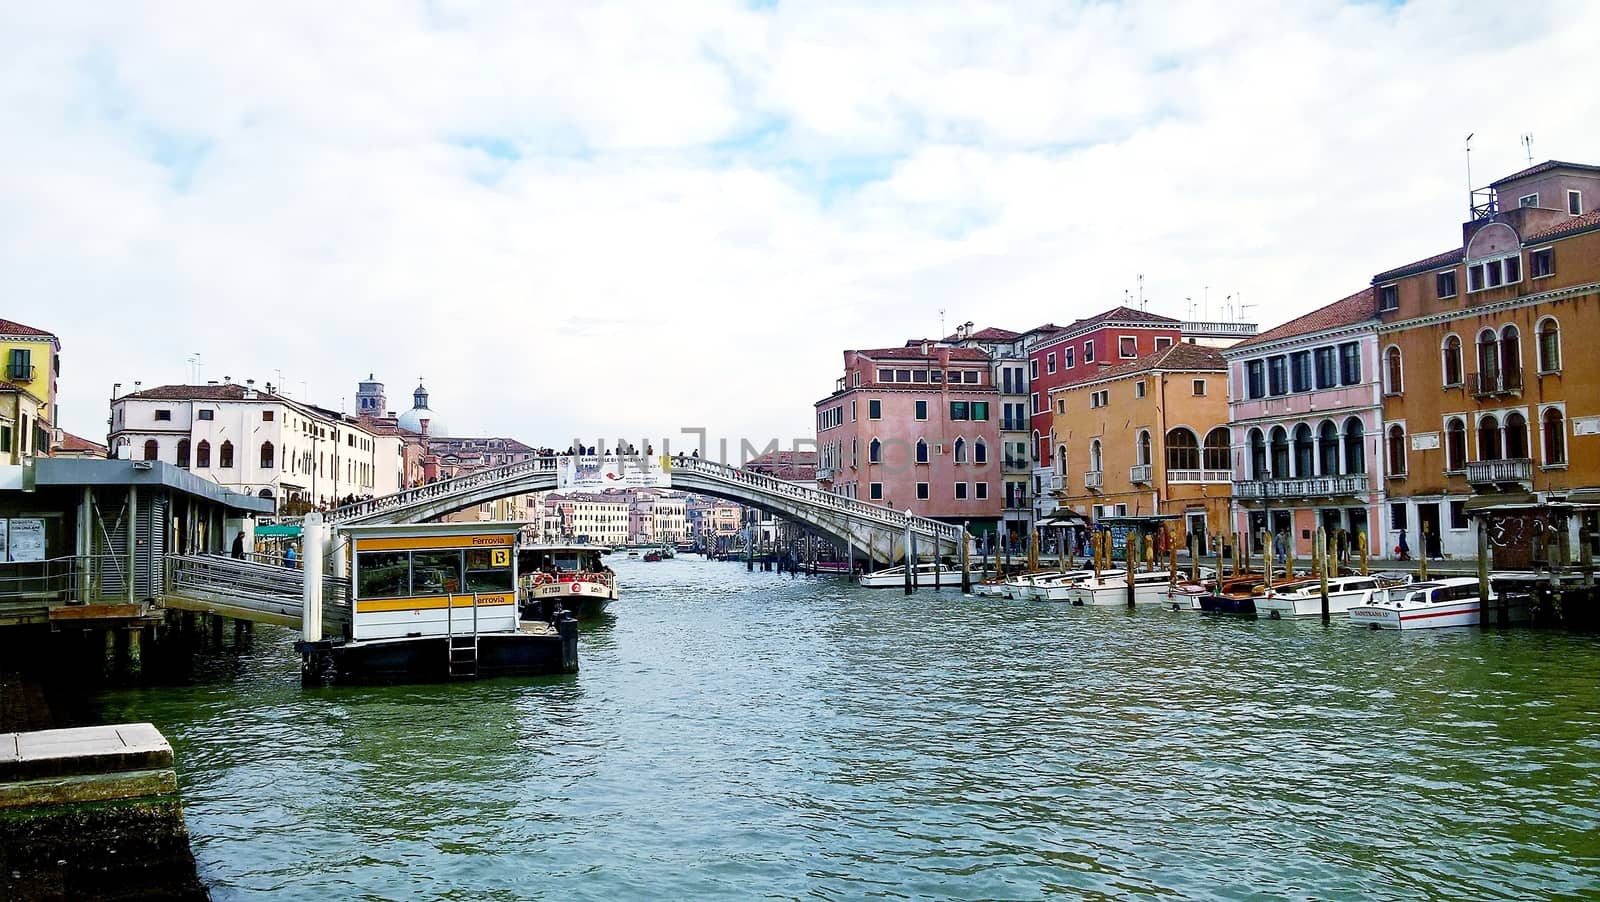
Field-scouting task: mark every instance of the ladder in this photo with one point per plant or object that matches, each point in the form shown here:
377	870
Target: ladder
462	648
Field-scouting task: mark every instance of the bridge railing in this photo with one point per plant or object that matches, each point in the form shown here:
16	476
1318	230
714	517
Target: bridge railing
441	489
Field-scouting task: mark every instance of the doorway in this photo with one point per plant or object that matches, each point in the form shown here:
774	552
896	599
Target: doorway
1428	525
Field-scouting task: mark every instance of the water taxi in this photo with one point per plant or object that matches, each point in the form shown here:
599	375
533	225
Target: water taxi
993	587
1435	603
1112	588
1023	585
571	577
1059	587
928	575
1303	598
437	601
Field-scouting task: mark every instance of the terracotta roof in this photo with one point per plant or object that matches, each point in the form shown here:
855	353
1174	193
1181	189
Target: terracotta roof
1546	166
1573	226
989	334
228	391
1116	315
70	442
1356	308
916	353
1423	265
1181	356
8	327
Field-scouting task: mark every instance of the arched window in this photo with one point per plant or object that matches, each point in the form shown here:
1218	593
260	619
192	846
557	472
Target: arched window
1280	453
1061	459
1516	436
1488	359
1455	444
1355	452
1489	438
1511	356
1183	449
922	450
1304	452
1555	437
1141	449
265	493
225	458
1259	467
980	452
1391	371
1549	345
268	456
183	453
1397	450
961	451
1328	448
151	450
202	454
1219	446
874	452
1094	456
1451	350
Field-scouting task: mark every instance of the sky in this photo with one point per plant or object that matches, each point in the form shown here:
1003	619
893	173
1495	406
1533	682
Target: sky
608	220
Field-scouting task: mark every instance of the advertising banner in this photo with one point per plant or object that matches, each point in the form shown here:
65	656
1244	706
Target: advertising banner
25	540
596	473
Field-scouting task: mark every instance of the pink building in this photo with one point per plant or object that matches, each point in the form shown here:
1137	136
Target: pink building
918	428
1306	410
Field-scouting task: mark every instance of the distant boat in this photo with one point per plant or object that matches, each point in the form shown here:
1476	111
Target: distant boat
927	575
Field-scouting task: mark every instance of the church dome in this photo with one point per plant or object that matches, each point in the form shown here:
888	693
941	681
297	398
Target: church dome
411	421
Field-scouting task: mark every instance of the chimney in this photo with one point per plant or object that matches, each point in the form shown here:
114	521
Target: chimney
227	380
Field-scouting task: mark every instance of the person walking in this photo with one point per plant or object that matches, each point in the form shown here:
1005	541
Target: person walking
238	546
289	558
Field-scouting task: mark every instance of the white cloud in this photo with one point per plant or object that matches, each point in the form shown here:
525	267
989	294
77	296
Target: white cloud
635	218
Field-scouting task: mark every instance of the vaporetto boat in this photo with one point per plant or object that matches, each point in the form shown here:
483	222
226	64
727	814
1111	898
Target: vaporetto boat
928	575
571	576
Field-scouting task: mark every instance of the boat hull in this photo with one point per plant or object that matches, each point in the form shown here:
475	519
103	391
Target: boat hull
1296	606
925	580
1106	596
1386	617
531	650
1227	604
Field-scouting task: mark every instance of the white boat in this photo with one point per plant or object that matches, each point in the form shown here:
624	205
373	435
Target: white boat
1303	598
1057	587
1436	603
1025	585
571	576
927	577
990	588
1112	588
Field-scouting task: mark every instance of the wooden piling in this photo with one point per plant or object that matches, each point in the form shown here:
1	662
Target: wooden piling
1129	569
1585	553
1483	569
1266	538
1422	562
966	562
1172	554
1322	569
1361	537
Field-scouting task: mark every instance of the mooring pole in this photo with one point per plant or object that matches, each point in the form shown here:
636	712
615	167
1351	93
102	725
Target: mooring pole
1268	555
910	564
311	573
1129	559
966	560
1362	538
1483	569
1322	569
1585	553
1422	563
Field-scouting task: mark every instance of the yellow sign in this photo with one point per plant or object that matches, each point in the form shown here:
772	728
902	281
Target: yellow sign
500	557
403	543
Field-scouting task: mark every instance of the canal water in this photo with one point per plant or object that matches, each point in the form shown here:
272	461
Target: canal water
741	735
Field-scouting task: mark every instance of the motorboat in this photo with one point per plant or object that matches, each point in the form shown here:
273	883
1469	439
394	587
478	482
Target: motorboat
1436	603
1057	587
990	588
1303	598
1233	595
927	575
1149	587
1024	586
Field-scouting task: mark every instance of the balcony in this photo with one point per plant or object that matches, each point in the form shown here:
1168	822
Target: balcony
1493	472
1140	474
1014	425
824	473
1313	487
1017	464
1492	383
19	372
1093	480
1198	476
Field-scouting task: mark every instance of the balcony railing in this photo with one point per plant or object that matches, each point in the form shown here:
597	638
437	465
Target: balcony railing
1014	425
1492	383
825	473
1312	487
1094	479
1017	463
1488	472
19	372
1139	473
1195	476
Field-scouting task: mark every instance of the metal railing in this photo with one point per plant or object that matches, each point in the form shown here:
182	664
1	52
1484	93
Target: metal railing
1311	487
261	588
1483	472
1195	476
1094	479
1497	382
1140	473
19	372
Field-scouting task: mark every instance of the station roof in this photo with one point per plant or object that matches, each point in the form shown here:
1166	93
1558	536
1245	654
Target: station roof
66	471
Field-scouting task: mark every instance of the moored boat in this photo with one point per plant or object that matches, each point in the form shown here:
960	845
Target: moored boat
1437	603
1112	588
1303	598
569	577
1059	587
927	575
1233	595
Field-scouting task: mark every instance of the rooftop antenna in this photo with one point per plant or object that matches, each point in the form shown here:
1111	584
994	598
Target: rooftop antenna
1469	171
1243	307
1205	307
1141	291
1527	145
194	368
1227	309
1191	307
941	323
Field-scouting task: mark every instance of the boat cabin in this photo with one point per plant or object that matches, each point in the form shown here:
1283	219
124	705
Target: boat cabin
427	580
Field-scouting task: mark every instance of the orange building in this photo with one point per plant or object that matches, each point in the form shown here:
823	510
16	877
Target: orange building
1147	437
1489	399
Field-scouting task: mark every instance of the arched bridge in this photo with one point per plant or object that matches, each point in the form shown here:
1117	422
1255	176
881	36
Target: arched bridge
872	528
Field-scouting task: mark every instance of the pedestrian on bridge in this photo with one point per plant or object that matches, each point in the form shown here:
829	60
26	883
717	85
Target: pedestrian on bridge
238	546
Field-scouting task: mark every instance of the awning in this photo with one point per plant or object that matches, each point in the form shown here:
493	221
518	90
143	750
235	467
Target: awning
291	530
1064	518
1501	501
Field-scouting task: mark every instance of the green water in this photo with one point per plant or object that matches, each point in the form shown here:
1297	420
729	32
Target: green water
739	735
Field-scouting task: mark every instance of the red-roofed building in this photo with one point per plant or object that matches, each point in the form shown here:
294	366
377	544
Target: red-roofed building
1488	397
1306	412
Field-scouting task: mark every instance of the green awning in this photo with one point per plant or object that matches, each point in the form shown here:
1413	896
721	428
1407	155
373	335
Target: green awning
279	529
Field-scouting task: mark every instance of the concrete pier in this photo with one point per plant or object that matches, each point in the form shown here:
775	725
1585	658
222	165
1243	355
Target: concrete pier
92	813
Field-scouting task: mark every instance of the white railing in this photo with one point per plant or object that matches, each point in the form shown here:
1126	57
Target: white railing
1195	476
1518	469
1313	487
442	489
1094	479
1139	473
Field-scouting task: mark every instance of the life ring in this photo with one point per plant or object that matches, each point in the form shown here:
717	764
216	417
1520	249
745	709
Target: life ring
576	587
541	578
